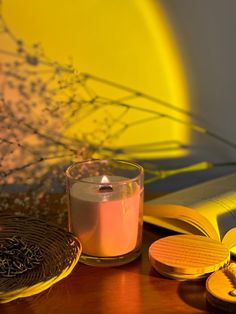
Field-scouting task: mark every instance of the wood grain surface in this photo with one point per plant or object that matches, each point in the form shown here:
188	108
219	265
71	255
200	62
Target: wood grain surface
188	256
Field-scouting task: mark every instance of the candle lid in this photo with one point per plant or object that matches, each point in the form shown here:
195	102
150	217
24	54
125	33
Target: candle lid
221	289
187	256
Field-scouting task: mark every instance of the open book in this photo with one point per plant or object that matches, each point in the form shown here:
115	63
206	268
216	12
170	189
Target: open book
208	209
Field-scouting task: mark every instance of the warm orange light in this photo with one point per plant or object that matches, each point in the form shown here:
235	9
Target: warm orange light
139	53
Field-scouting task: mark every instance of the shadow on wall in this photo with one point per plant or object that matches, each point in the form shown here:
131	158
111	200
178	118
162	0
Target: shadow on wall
70	121
204	32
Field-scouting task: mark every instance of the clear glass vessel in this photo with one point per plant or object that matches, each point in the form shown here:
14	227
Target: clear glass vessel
105	210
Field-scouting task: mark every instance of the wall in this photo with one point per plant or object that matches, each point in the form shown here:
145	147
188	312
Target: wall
205	34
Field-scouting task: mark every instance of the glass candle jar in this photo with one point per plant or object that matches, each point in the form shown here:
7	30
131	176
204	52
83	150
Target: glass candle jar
105	210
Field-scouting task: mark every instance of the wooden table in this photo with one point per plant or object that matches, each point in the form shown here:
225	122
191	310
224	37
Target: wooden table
133	288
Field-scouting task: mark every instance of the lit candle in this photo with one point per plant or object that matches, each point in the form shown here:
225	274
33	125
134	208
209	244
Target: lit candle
105	215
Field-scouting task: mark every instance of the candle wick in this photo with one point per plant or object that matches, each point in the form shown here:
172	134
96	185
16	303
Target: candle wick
105	188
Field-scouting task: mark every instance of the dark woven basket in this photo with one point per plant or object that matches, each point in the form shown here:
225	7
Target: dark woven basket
56	251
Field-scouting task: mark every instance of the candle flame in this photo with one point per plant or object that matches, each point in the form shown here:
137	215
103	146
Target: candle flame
105	185
105	179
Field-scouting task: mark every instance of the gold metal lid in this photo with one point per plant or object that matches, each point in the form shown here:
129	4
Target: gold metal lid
221	289
188	256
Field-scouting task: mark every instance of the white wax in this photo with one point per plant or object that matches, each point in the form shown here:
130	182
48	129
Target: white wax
106	223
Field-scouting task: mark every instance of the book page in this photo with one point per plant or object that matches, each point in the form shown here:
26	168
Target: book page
220	211
179	218
208	200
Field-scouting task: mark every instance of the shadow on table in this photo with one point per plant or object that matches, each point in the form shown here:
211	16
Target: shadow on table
193	293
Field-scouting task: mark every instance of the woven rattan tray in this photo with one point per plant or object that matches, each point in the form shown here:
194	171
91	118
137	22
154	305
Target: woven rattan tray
59	252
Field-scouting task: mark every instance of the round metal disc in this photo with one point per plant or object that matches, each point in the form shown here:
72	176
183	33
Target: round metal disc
187	256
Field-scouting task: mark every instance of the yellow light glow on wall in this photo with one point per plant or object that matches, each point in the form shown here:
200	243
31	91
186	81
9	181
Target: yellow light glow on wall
127	42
